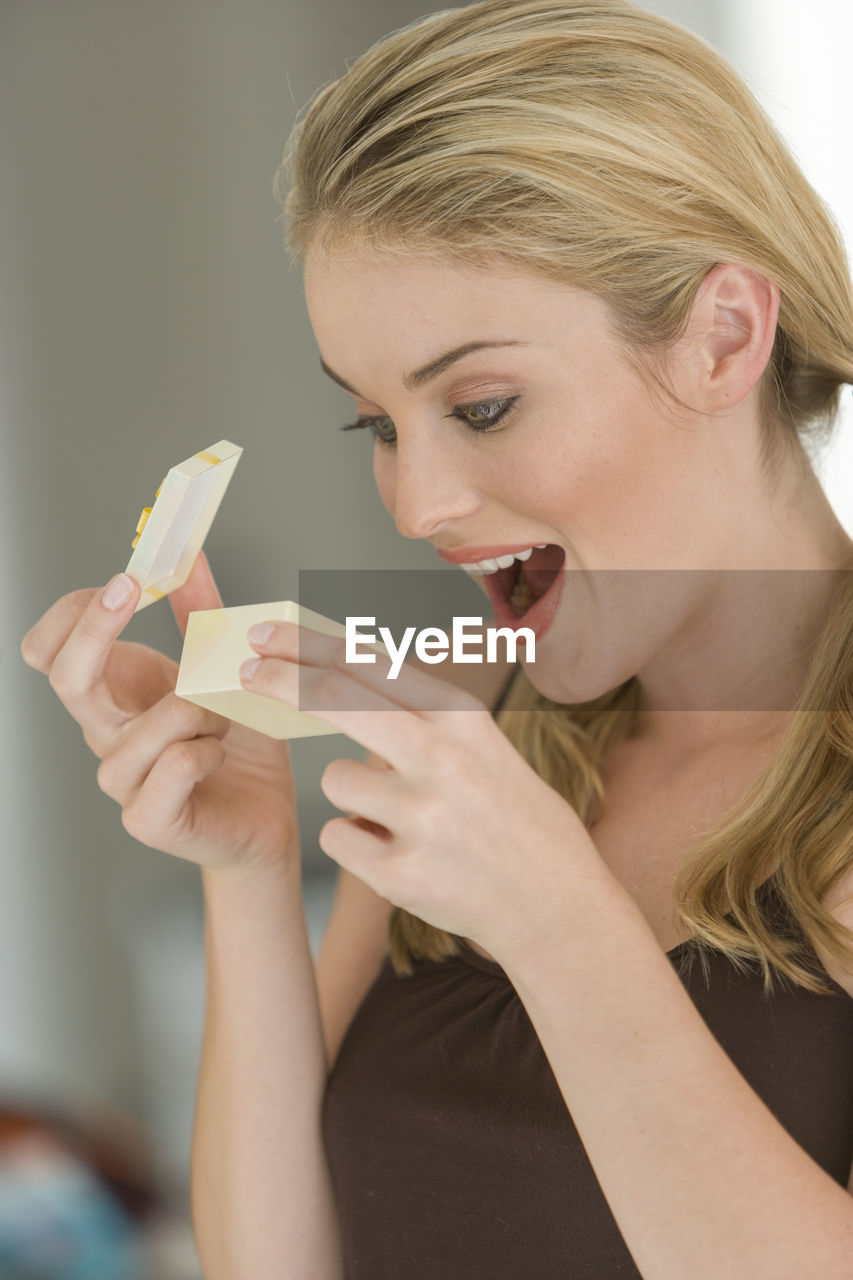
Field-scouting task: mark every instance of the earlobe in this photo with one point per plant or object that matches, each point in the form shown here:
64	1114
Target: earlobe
736	310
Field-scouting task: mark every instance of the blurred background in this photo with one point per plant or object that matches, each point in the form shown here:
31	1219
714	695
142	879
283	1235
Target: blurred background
146	311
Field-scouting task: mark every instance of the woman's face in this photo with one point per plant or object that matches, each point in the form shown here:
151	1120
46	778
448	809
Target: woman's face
584	457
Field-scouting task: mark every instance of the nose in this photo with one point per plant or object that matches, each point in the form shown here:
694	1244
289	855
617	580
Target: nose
429	488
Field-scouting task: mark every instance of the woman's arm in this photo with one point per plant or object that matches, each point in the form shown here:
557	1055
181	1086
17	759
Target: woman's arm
262	1201
702	1180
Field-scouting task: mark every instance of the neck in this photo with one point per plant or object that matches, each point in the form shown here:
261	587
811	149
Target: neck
752	633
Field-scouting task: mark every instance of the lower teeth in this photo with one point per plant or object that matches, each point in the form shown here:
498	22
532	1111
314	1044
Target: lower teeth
521	598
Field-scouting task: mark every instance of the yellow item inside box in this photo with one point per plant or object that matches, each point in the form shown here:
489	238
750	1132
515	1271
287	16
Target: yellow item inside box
170	534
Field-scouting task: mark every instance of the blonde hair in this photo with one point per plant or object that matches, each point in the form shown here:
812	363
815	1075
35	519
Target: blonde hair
609	149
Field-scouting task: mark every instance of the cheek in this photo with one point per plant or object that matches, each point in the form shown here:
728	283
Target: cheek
383	474
630	492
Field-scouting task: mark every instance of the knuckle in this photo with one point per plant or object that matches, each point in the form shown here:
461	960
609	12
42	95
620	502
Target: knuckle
184	715
182	759
105	775
327	689
60	619
444	759
469	703
339	658
75	602
398	846
90	627
407	873
98	746
130	821
425	817
333	777
59	679
331	832
137	823
30	650
457	763
335	771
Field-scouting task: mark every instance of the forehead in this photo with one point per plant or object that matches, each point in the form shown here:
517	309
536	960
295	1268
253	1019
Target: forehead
357	294
363	271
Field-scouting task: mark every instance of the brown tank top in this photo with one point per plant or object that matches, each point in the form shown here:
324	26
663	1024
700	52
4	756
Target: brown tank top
453	1155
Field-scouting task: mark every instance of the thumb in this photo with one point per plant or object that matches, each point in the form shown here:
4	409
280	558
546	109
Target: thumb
198	592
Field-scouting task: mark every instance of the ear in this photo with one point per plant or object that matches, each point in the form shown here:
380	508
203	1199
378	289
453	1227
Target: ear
731	335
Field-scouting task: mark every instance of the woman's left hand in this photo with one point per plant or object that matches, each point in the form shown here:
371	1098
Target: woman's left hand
459	830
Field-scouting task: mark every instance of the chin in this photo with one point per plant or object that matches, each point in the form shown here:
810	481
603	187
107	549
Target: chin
559	685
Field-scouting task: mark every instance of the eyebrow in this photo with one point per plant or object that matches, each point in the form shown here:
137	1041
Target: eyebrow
419	377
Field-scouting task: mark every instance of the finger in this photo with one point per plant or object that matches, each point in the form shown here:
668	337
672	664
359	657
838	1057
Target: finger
412	689
123	770
46	637
385	728
72	643
361	790
42	644
198	592
358	849
163	803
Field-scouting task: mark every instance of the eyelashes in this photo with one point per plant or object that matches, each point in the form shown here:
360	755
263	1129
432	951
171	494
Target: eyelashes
464	412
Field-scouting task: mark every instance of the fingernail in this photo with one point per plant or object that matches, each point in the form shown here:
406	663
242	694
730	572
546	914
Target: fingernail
261	633
249	668
117	591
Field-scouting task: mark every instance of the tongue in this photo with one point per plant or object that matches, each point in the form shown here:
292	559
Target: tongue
541	568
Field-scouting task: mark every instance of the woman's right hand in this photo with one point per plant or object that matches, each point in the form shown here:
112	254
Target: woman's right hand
189	781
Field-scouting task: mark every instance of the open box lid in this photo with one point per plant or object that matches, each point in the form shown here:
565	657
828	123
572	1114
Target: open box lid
171	533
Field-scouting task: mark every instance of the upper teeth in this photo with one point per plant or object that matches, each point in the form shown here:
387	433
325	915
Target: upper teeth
501	562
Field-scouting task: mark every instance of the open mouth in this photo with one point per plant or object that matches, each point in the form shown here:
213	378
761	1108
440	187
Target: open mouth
525	581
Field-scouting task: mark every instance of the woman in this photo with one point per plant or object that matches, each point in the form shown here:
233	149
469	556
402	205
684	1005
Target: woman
567	228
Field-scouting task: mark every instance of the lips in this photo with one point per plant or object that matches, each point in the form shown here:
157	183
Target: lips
546	585
540	569
471	555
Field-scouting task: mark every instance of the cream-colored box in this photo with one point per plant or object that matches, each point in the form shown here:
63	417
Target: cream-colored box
216	646
171	533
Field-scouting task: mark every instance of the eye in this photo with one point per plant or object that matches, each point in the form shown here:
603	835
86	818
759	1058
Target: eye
480	417
374	423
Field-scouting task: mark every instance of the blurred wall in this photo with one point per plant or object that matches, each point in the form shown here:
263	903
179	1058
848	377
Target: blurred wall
146	311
